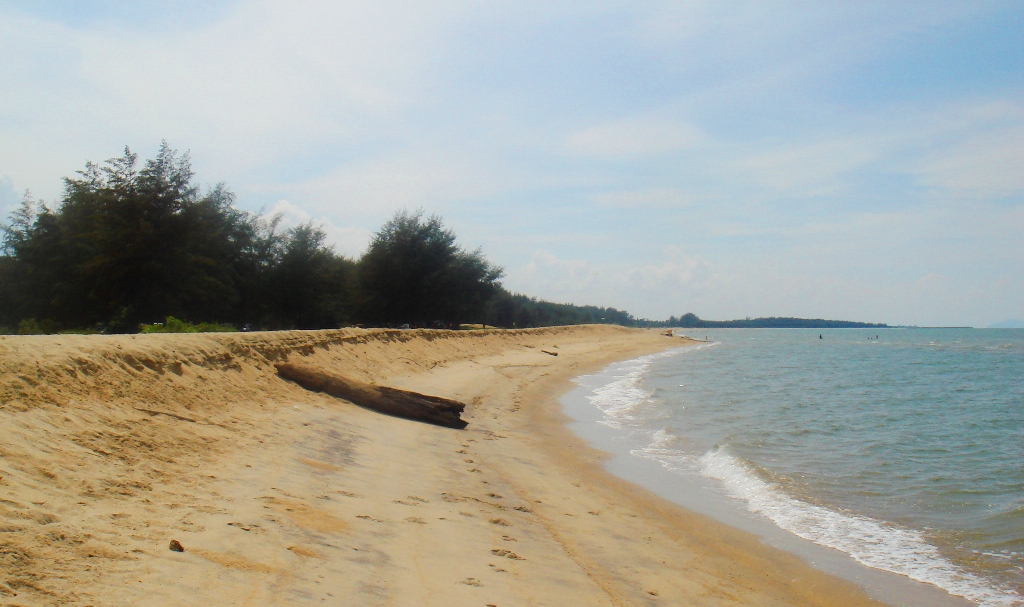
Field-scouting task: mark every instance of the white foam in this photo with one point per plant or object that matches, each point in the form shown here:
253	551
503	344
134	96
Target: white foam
870	542
670	459
619	397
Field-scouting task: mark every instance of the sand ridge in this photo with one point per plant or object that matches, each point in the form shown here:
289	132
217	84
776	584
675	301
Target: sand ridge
113	446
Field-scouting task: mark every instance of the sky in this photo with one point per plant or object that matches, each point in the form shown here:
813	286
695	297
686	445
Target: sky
842	160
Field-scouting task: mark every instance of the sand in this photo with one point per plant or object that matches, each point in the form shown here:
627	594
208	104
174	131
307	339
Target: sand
112	446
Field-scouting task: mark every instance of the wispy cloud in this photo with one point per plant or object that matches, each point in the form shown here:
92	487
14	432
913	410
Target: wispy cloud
654	198
814	160
350	241
672	278
635	136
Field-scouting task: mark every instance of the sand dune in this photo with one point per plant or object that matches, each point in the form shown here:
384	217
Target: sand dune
111	447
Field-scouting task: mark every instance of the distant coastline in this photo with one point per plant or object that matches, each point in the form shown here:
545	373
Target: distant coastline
691	321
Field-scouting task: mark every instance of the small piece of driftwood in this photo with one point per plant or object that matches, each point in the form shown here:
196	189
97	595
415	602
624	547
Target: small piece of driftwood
400	403
551	353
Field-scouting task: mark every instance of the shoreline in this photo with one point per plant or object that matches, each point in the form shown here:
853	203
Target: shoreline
702	495
731	547
116	445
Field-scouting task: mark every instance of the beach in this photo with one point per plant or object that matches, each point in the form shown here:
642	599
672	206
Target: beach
113	446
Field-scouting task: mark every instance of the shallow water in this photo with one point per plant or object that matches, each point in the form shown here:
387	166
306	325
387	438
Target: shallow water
905	452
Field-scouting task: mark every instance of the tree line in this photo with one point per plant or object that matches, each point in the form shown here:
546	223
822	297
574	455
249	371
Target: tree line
139	245
692	321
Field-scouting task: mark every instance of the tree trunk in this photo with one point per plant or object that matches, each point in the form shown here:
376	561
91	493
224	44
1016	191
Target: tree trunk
400	403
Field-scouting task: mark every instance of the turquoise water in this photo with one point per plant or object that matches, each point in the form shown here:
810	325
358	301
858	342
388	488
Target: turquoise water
905	451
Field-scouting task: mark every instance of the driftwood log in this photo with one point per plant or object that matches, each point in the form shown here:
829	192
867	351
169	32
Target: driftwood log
400	403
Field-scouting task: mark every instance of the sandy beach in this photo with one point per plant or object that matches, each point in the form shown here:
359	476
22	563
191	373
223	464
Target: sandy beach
112	446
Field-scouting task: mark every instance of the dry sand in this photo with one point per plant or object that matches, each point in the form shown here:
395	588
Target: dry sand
113	446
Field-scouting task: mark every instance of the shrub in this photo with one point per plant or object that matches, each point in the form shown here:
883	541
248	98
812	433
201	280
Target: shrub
175	325
31	326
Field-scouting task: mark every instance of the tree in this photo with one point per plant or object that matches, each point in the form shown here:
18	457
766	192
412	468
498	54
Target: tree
130	245
414	272
137	245
514	310
310	282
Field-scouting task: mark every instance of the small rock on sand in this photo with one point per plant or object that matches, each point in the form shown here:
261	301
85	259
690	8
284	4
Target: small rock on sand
176	546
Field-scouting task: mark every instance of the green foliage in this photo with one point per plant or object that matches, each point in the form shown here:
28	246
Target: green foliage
414	272
174	325
30	326
131	244
310	284
514	310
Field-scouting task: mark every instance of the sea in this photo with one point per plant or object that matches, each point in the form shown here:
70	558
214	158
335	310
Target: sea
891	457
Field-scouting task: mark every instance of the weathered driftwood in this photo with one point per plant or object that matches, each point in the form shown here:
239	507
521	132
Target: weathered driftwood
400	403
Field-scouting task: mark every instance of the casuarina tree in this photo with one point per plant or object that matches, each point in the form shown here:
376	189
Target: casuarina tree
131	244
414	272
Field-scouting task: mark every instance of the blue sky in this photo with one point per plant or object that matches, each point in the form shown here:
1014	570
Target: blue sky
842	160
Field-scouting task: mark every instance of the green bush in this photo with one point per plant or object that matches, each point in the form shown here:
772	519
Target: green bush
31	326
212	327
174	325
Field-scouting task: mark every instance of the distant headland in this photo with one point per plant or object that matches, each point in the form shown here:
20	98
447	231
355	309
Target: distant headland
691	321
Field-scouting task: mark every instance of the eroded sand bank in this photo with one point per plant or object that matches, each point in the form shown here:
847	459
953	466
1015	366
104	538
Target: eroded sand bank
110	447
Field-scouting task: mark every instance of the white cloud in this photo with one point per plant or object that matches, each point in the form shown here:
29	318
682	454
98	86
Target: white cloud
350	241
550	277
668	277
634	136
810	168
982	164
763	137
268	81
429	178
651	198
669	282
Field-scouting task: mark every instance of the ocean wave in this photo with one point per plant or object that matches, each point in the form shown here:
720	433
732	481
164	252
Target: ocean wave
872	543
661	450
618	398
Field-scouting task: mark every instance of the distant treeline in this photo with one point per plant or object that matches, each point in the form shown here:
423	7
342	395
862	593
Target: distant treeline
691	321
515	310
132	248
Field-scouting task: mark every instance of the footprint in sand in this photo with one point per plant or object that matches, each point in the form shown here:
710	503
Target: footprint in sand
242	526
